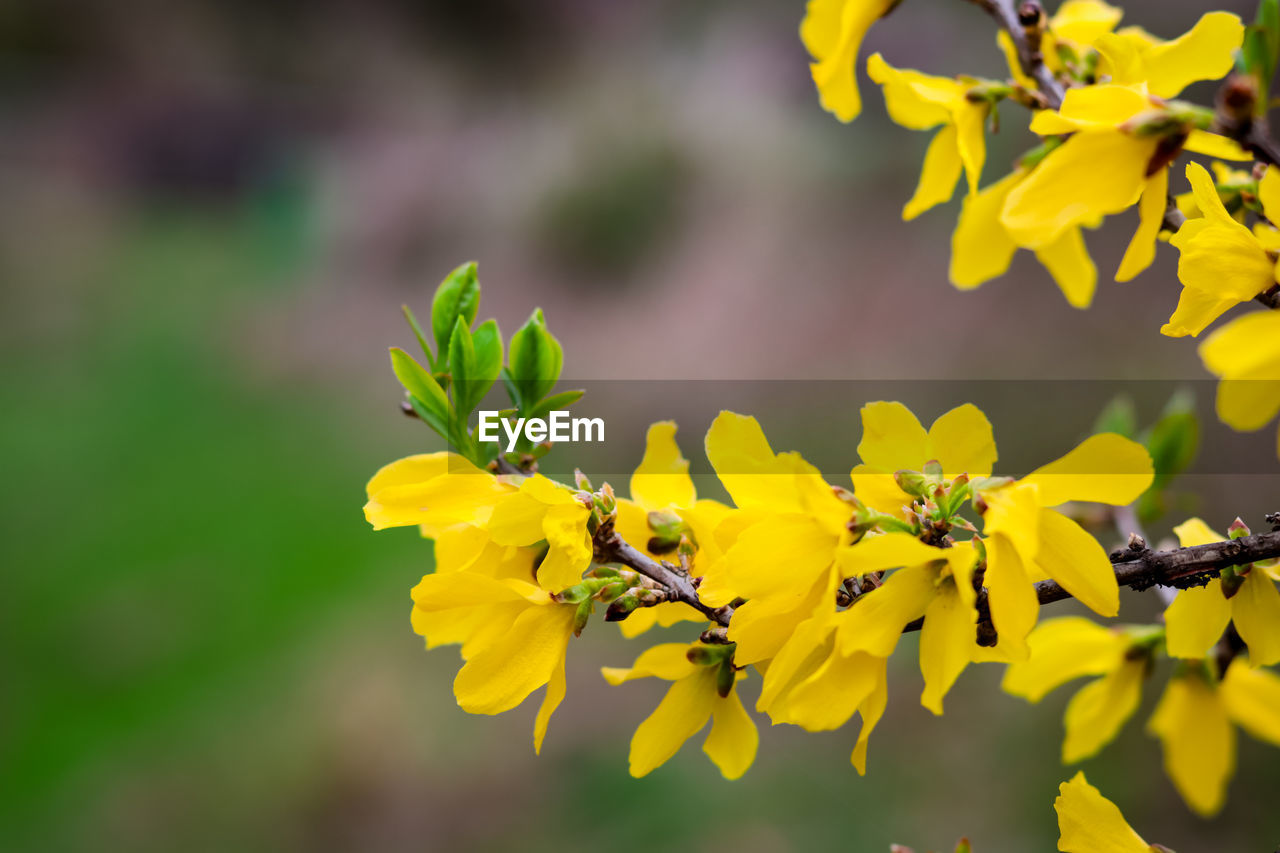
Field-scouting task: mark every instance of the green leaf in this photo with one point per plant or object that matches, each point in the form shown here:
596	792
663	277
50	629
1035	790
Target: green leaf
462	367
1174	439
487	341
418	382
1118	416
417	333
536	359
458	296
563	400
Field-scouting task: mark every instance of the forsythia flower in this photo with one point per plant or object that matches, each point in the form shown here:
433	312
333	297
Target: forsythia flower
1204	52
1027	539
1090	823
1194	723
661	484
1245	354
1107	164
832	31
893	439
1222	262
1067	648
1198	615
922	102
790	527
434	491
982	248
694	697
543	510
514	636
812	683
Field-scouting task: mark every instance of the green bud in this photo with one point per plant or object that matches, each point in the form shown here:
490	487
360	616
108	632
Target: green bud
1238	529
963	846
725	678
580	480
912	482
668	530
621	608
580	617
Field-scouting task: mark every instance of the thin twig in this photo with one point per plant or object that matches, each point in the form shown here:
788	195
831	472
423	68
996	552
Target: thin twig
610	547
1024	22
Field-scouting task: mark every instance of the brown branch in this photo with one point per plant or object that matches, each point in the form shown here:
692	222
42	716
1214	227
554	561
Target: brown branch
1025	23
610	547
1137	567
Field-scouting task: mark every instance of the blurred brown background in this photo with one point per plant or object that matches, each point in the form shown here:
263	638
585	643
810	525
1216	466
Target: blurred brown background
210	214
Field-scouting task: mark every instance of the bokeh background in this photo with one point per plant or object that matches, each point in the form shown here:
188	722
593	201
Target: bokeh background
210	214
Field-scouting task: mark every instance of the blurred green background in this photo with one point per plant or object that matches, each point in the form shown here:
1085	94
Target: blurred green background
209	215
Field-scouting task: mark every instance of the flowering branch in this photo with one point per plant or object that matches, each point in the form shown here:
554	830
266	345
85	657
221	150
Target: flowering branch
1025	25
1136	566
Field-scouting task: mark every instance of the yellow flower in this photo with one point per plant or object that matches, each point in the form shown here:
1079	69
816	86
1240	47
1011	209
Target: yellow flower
514	636
788	529
893	439
543	510
1090	823
1101	169
832	31
1067	648
692	699
1198	616
1245	354
661	484
982	248
1222	262
1205	52
922	102
936	583
434	491
1194	724
1026	539
813	684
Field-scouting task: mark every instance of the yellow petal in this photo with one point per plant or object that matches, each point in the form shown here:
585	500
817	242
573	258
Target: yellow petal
679	716
875	621
1067	260
1082	21
569	546
1074	559
1106	468
1097	712
1089	176
1248	346
522	660
981	248
753	567
1213	145
1090	823
1252	699
733	740
914	100
757	478
1249	402
1010	51
1142	248
435	490
1199	742
878	490
1011	597
517	518
837	49
871	710
1194	531
668	661
1269	193
938	175
1255	610
832	693
807	648
963	441
1063	649
892	437
1195	620
886	551
1092	107
662	480
762	626
1205	52
1196	308
945	639
555	695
